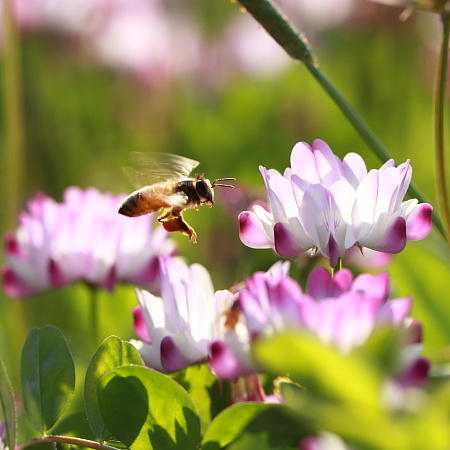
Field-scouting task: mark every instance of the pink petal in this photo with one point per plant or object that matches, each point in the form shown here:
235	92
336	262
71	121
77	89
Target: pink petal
251	231
342	282
414	333
366	194
405	173
13	286
372	285
419	222
224	363
140	327
12	247
57	278
392	241
150	354
282	201
148	274
110	280
398	311
322	285
417	374
353	168
303	163
388	185
319	284
328	165
171	357
286	244
333	251
322	220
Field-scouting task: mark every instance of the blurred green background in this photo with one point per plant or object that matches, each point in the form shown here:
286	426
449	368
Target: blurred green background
82	118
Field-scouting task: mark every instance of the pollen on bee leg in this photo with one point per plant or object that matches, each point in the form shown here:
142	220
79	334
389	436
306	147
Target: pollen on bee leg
166	216
177	223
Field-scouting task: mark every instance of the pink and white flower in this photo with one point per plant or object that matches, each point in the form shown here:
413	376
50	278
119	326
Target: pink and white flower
176	329
81	239
340	311
323	203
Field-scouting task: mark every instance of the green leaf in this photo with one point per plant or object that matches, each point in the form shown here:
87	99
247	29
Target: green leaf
420	271
148	410
48	376
344	393
7	407
272	429
209	394
230	423
112	353
321	368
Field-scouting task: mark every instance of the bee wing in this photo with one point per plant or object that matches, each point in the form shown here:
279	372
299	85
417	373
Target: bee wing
151	168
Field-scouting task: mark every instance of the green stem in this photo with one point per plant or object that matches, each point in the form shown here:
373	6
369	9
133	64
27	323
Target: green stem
66	440
94	315
337	267
14	143
350	113
442	187
297	46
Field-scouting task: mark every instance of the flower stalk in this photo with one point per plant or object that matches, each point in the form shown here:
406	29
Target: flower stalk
442	187
86	443
297	46
94	306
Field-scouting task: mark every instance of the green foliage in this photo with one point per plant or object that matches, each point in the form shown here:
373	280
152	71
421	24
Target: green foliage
209	394
253	425
111	354
148	410
7	407
48	376
350	396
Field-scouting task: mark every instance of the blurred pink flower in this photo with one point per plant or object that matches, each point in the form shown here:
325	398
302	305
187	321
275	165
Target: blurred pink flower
177	328
81	239
366	259
331	205
137	36
339	310
268	303
143	37
2	436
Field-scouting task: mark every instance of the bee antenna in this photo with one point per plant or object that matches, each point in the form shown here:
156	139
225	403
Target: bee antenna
215	182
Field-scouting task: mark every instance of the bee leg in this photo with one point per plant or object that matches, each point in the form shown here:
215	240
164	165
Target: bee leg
177	223
166	216
173	221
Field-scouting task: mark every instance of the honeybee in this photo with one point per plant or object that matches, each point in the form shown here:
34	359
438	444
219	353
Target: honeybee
169	187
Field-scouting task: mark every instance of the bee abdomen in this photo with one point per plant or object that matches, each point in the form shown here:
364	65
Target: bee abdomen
131	205
143	201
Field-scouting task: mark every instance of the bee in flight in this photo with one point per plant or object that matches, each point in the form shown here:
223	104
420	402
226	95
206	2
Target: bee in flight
168	186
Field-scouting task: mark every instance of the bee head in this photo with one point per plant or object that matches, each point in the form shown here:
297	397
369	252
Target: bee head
203	188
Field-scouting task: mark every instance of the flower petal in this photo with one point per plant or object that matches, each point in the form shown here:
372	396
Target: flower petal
376	286
251	231
140	328
390	240
225	364
419	222
15	286
287	245
354	169
417	374
176	353
327	164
